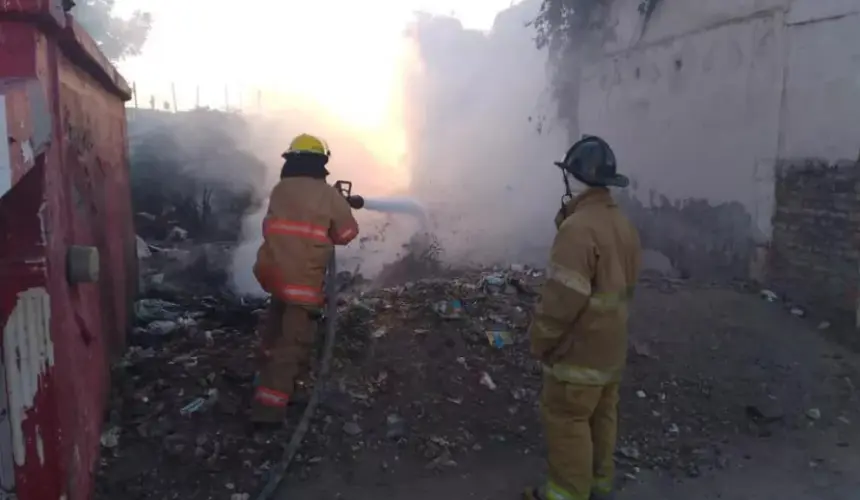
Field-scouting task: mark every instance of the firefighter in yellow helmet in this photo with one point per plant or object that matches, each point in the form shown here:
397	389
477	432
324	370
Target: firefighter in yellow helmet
306	217
579	328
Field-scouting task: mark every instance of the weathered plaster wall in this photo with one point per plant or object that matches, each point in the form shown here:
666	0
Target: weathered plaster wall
701	100
676	18
821	116
688	118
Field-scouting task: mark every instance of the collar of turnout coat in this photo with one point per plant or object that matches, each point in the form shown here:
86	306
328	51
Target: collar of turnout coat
591	196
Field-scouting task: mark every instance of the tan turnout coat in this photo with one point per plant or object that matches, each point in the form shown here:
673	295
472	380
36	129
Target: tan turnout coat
579	329
306	218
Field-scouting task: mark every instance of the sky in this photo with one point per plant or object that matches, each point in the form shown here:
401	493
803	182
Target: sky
345	57
342	53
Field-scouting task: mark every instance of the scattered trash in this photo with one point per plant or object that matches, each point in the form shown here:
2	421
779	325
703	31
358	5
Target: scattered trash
143	251
494	283
177	234
640	348
162	327
519	394
824	325
379	333
769	296
200	404
796	311
352	429
449	309
156	310
641	394
396	427
487	381
110	437
766	413
443	460
813	413
630	452
499	338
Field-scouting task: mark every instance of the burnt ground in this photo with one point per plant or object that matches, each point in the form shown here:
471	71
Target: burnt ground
726	396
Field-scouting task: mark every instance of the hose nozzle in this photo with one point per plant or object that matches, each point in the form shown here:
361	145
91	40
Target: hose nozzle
355	201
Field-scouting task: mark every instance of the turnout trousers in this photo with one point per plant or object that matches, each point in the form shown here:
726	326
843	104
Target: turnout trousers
581	428
286	345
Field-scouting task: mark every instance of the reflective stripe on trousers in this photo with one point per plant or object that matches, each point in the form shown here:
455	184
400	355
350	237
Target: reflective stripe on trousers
556	492
602	485
301	294
271	397
291	294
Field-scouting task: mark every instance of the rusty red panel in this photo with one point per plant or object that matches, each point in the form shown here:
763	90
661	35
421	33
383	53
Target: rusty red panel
63	181
17	50
51	9
50	17
80	46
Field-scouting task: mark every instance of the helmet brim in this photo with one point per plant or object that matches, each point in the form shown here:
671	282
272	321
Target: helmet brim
616	180
288	154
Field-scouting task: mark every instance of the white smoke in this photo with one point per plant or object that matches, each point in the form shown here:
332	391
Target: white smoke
482	145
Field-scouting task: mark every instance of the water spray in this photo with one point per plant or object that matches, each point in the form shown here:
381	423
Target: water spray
395	205
392	205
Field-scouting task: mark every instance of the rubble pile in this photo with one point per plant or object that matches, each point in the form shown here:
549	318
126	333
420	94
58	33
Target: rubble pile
175	425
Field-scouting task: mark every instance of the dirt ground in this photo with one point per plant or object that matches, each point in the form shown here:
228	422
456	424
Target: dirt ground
727	397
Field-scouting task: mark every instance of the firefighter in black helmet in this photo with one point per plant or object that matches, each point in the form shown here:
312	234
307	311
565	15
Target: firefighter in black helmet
579	328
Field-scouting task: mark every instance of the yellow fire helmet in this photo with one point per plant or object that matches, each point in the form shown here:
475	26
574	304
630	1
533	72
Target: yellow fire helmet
308	144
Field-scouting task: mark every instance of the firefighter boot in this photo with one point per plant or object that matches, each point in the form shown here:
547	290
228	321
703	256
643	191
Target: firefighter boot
533	494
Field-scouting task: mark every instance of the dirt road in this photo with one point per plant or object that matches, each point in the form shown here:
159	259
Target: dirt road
727	397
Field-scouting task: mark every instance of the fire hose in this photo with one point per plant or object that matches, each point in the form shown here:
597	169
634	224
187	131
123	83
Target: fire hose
330	327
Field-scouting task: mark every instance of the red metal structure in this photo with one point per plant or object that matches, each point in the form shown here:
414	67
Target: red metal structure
68	269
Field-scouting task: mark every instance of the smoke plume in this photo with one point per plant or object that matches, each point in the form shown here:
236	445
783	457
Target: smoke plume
467	134
481	149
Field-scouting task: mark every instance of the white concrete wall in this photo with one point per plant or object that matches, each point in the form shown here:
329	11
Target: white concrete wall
691	116
821	117
675	18
759	79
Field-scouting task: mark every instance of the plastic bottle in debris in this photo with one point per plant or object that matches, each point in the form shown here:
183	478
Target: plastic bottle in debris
499	338
449	309
200	404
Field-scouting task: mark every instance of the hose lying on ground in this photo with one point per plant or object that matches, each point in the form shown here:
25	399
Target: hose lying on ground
330	325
